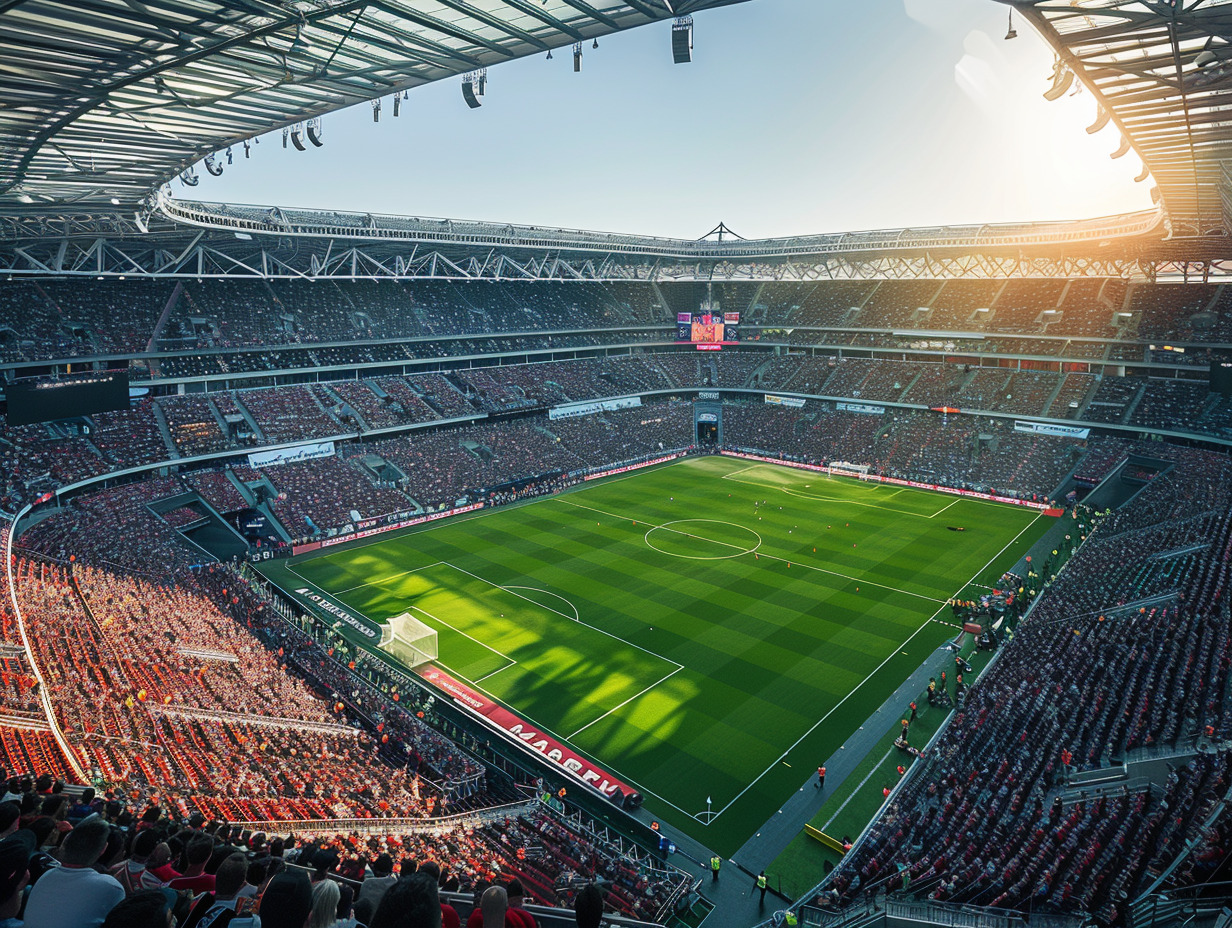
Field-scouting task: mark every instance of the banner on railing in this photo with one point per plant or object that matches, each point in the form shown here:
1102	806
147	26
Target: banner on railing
305	452
866	408
793	401
589	409
1047	428
530	738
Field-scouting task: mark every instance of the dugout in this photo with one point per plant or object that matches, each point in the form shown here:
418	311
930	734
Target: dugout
708	422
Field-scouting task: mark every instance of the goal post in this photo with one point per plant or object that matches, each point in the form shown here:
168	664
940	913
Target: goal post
408	640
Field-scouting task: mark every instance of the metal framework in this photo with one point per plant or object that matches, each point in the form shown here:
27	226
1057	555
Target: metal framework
104	100
1160	72
329	259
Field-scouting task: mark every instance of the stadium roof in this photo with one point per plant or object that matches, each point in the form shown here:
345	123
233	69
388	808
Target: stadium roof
1161	72
101	101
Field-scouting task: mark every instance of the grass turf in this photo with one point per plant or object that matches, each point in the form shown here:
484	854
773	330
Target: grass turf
706	629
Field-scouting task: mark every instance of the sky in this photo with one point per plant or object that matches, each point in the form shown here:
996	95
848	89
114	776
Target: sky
795	117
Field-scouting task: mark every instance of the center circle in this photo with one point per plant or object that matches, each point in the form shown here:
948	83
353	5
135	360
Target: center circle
685	532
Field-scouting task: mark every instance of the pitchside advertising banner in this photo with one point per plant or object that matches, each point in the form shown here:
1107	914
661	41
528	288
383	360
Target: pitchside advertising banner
1030	504
529	737
307	452
793	401
589	409
393	526
1045	428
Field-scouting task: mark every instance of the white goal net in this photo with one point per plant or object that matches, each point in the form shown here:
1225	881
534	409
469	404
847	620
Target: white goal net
408	640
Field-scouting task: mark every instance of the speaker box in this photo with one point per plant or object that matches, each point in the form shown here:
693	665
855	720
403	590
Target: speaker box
682	43
468	94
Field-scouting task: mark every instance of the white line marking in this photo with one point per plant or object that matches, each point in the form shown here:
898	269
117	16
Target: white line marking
623	704
893	654
772	557
401	573
860	786
666	660
944	508
577	616
833	709
511	663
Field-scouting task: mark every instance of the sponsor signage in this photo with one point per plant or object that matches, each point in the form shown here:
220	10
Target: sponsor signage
393	526
793	401
307	452
707	346
707	417
1045	428
629	467
844	471
589	409
865	408
338	612
530	738
707	394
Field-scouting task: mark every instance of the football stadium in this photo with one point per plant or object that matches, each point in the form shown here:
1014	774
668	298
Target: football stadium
365	569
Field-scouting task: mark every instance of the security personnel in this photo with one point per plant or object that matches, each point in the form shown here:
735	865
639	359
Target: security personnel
760	883
715	863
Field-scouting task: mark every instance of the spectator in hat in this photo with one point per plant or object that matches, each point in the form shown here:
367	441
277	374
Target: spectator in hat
516	914
73	895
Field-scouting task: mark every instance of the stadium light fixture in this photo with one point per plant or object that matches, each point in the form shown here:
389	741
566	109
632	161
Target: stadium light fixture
594	44
376	110
1012	33
549	54
115	201
397	104
577	57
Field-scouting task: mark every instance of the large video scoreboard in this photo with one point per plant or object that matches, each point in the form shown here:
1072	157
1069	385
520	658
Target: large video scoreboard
42	399
709	331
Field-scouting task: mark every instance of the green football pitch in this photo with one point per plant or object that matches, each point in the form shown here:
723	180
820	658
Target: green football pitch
708	631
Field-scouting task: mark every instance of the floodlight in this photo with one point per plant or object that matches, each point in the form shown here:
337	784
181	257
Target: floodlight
115	201
1013	33
549	54
594	44
577	57
247	150
376	110
397	104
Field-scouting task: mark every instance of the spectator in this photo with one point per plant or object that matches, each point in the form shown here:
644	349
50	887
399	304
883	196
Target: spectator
516	914
410	903
287	901
73	895
197	854
375	886
325	897
588	906
14	875
228	881
494	905
134	874
150	908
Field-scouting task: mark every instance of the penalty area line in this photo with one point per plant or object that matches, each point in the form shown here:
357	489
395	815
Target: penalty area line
623	704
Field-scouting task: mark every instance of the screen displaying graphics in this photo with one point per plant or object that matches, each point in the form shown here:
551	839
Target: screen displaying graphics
708	328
